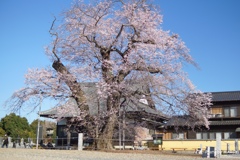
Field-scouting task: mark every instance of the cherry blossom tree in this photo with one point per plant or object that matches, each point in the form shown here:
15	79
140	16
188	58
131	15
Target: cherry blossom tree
114	43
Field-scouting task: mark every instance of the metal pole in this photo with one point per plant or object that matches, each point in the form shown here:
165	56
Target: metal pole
38	124
123	126
119	129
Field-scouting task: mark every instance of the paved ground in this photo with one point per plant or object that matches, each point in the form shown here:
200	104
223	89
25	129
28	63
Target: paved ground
34	154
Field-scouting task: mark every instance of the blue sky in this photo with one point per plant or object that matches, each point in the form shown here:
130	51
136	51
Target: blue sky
210	29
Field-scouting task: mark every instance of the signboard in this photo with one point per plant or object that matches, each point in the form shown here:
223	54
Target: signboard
157	139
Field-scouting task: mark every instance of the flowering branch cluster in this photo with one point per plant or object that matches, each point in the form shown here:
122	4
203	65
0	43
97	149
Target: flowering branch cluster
121	46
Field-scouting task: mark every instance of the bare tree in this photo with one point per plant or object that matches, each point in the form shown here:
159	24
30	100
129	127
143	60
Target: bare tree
115	43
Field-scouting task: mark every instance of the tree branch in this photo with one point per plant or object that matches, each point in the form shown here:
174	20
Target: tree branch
147	69
72	83
56	40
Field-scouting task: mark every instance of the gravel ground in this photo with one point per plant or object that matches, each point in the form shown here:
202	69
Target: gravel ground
33	154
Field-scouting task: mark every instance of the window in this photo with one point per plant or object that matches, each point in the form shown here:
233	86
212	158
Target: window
206	135
202	135
217	110
178	136
212	136
230	111
233	135
199	136
181	135
174	136
61	131
226	135
229	135
226	112
233	112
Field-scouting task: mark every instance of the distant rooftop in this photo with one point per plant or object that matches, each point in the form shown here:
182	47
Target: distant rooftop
226	96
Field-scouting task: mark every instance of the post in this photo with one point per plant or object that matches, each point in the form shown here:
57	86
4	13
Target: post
68	139
208	152
22	140
38	123
80	141
123	127
56	141
218	145
200	152
236	146
228	147
119	131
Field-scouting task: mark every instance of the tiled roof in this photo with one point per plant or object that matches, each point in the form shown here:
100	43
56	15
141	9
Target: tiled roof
49	112
54	111
226	96
229	122
180	121
90	91
183	121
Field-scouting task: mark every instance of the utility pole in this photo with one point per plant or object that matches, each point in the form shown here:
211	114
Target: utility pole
38	123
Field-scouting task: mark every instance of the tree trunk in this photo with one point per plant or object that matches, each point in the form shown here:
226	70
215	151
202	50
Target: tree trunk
74	86
105	138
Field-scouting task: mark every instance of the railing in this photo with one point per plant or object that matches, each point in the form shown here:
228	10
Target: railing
44	143
64	143
227	146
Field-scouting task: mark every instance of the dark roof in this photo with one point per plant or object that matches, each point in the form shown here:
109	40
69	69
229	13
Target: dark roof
48	113
95	103
183	121
229	122
226	96
90	92
54	111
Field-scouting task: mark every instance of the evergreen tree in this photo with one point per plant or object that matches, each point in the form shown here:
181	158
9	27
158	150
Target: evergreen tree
15	126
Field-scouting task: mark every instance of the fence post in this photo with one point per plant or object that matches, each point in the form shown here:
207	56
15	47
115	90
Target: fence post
68	139
228	147
80	141
22	141
200	152
236	146
208	152
56	141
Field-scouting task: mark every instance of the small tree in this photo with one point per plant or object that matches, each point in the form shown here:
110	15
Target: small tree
116	44
15	126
